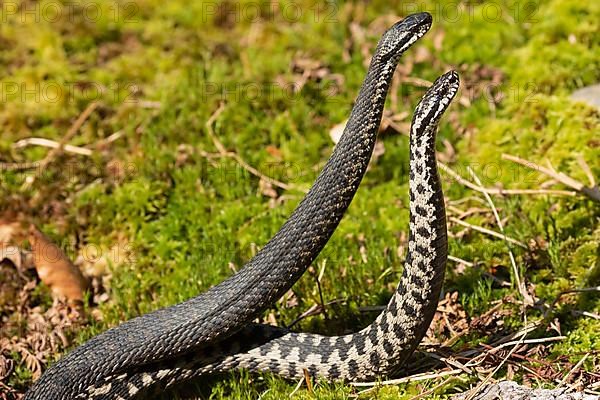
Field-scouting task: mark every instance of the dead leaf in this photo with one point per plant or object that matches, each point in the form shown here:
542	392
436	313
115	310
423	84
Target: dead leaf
274	152
10	231
336	132
55	269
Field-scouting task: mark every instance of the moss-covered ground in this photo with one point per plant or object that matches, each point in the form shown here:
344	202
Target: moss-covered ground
184	219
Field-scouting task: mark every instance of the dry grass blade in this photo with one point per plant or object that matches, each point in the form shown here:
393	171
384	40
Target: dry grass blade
56	151
461	261
521	287
68	136
488	232
481	384
593	192
224	153
406	379
501	192
67	148
573	370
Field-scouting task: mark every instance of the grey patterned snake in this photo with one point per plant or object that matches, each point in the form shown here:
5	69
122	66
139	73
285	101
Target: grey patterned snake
213	331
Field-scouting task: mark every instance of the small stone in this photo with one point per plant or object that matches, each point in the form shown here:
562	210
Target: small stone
589	95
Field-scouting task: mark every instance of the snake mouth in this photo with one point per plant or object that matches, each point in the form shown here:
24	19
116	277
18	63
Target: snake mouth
403	34
436	100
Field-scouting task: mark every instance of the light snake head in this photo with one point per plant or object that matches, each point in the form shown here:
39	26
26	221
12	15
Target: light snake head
435	102
402	35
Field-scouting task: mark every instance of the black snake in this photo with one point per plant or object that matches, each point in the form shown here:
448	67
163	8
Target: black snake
212	332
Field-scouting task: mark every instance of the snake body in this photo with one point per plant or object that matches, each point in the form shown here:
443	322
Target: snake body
211	332
381	348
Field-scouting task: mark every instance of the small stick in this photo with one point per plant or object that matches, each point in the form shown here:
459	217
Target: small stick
488	232
527	341
561	294
55	152
416	81
574	369
520	285
498	191
68	136
298	386
412	378
36	141
461	261
592	192
322	302
491	374
224	153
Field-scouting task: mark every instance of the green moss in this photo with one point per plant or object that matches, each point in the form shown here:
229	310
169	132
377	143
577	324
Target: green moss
191	220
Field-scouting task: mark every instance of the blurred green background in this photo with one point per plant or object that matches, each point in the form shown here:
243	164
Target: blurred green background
182	218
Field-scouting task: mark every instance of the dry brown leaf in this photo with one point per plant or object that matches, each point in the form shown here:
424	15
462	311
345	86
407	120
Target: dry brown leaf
336	132
10	231
55	269
274	152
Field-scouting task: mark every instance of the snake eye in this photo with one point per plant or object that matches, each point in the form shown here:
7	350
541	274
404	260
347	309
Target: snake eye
403	34
435	101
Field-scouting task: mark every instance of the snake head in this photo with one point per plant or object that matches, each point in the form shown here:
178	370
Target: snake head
402	35
435	101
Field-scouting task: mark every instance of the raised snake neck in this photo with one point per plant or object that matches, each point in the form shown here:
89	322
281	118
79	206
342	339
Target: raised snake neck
381	348
181	331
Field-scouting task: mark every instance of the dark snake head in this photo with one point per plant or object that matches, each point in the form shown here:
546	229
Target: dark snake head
402	35
435	102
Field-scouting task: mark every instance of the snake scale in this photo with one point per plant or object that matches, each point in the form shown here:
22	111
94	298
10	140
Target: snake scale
213	331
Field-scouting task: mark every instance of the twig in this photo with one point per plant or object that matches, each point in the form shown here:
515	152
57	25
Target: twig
501	192
561	294
55	152
587	170
68	136
586	314
491	374
412	378
318	279
298	386
461	261
309	385
565	379
520	285
488	232
451	361
224	153
315	309
592	192
36	141
528	341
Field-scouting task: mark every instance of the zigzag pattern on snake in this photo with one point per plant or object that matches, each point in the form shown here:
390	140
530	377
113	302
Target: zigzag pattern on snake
211	332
